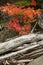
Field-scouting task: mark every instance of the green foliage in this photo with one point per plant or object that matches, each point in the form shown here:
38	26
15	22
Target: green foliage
17	2
40	3
20	3
4	17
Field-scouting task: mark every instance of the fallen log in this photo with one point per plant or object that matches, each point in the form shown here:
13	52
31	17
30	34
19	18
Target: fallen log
21	51
13	43
32	53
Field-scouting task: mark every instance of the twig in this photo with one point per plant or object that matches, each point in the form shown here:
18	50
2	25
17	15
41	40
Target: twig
33	28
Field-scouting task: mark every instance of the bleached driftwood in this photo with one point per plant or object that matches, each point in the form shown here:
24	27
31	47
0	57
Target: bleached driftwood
9	45
34	54
21	51
21	61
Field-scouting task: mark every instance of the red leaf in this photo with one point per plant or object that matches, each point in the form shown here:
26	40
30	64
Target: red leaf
33	3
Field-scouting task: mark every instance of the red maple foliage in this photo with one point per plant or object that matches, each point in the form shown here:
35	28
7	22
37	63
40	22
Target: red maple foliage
33	3
14	23
12	9
28	12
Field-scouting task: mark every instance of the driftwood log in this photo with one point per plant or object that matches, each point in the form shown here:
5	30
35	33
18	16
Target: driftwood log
17	42
13	43
22	51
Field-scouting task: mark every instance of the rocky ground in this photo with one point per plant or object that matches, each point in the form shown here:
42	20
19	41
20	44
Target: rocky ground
37	61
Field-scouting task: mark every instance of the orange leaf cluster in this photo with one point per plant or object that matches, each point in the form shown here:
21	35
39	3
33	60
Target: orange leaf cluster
14	23
12	9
